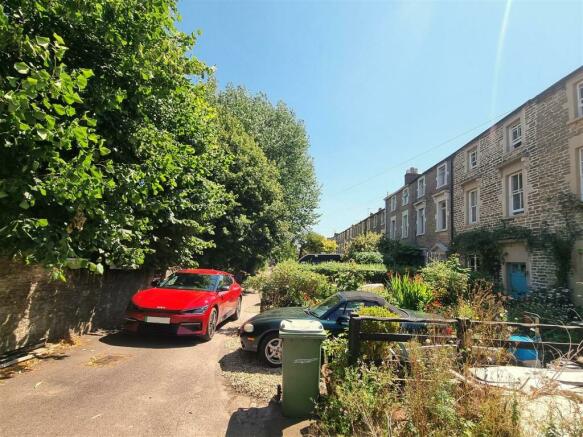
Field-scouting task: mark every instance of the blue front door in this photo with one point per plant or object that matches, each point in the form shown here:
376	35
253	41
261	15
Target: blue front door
517	281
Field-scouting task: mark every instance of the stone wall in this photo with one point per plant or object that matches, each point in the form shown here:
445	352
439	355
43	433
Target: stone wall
33	308
546	162
431	236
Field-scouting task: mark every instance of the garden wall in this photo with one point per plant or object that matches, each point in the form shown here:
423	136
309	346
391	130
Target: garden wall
32	307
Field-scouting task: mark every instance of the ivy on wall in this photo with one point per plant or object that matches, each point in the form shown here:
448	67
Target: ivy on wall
487	243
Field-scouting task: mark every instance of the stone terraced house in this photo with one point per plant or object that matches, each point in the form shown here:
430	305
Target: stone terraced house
419	213
524	172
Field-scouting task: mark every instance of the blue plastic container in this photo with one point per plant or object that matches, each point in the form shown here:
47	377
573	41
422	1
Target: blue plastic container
522	353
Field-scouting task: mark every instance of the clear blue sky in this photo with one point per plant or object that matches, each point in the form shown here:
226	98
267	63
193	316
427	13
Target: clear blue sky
382	86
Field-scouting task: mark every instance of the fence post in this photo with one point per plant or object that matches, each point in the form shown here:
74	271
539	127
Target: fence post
462	327
353	339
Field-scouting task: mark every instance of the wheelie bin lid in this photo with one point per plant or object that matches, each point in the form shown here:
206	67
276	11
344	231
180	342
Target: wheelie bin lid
301	328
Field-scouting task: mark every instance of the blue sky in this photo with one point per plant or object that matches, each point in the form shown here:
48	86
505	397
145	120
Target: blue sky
383	86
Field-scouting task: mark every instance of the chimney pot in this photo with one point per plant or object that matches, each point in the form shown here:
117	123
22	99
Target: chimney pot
410	175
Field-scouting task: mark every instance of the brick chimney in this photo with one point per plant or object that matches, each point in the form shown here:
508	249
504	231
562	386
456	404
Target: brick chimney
410	175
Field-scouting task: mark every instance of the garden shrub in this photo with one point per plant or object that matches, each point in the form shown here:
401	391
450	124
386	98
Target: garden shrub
448	279
290	284
368	258
342	274
553	306
368	242
377	350
423	399
397	255
410	293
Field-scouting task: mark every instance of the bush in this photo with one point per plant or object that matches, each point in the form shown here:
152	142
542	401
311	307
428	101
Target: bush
350	275
553	306
368	242
369	400
410	293
377	350
397	255
290	284
448	279
368	258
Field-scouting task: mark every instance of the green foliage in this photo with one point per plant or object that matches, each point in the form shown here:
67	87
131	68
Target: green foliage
368	242
361	396
368	258
349	276
108	146
316	243
377	350
283	139
410	293
397	255
246	236
289	284
447	279
487	245
367	399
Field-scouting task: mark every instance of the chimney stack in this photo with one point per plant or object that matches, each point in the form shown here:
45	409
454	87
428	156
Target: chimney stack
410	175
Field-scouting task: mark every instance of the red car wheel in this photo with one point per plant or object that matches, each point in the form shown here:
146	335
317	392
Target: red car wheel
211	325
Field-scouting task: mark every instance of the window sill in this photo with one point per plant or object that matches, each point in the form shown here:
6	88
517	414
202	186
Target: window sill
575	120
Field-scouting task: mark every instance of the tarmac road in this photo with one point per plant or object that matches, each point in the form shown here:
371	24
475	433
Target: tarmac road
119	385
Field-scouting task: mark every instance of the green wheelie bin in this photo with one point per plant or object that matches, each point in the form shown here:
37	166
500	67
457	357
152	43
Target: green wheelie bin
302	344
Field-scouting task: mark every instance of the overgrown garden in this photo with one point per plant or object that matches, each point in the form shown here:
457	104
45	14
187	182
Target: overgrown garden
432	393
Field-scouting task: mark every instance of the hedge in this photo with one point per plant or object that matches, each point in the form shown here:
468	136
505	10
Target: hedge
371	273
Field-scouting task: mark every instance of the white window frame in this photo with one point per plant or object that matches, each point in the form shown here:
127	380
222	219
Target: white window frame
417	221
438	215
405	224
512	193
393	228
474	152
421	184
579	89
581	173
405	196
514	143
473	210
444	167
393	203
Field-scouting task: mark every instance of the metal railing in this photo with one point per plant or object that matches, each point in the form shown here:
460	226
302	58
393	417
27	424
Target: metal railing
463	339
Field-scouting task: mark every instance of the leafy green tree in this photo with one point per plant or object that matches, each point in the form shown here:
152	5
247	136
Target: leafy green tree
284	141
368	242
246	236
109	140
316	243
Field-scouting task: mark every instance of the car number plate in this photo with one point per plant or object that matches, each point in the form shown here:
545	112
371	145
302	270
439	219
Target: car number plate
163	320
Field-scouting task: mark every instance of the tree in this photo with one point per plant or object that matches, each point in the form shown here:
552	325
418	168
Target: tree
109	140
368	242
316	243
283	139
247	235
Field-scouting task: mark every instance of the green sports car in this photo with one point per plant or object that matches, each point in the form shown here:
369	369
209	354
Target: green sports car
261	332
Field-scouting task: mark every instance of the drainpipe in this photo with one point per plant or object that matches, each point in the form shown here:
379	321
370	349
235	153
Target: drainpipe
451	220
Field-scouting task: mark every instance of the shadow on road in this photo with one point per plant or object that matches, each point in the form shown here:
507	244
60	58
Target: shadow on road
245	362
265	421
151	341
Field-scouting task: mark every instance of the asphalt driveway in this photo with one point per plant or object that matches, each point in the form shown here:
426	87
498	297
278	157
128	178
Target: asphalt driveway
112	384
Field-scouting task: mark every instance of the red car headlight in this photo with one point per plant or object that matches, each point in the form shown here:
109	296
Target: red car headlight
198	310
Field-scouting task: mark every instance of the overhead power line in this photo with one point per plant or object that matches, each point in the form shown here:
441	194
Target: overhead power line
437	146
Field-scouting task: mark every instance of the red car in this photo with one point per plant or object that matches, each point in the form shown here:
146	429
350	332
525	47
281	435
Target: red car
188	302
